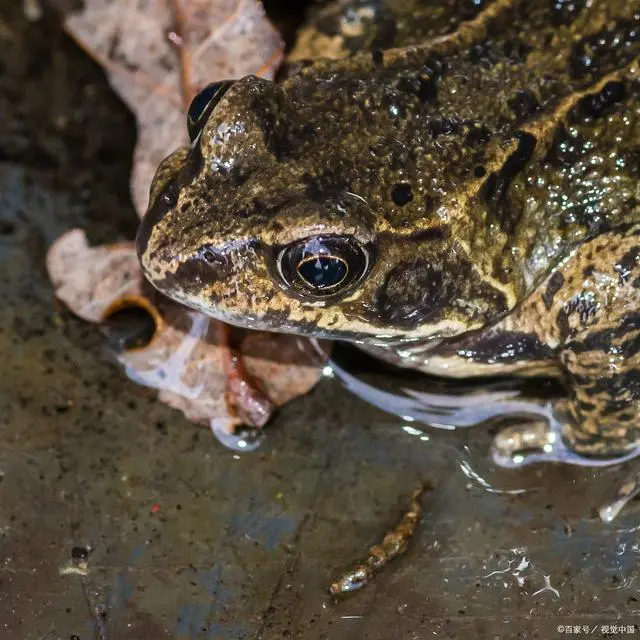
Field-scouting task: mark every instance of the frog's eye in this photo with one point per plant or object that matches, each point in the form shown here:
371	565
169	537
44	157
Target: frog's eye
203	104
323	265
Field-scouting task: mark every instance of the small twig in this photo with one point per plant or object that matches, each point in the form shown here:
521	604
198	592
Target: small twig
395	543
184	52
245	396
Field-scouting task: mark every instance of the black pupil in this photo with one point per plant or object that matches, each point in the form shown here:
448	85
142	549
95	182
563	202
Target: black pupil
322	272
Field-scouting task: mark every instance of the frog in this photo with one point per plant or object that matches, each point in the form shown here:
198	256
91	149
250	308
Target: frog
451	186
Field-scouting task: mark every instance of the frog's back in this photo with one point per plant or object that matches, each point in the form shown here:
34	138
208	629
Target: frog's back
489	139
346	27
521	116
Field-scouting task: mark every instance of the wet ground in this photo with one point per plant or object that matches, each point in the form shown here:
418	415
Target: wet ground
120	520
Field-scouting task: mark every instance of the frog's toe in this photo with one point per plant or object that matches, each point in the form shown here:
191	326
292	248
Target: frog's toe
628	490
521	444
553	441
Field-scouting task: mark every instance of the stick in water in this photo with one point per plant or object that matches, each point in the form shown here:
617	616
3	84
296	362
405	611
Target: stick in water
395	543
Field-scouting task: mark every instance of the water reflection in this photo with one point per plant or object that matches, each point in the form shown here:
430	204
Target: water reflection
520	409
629	490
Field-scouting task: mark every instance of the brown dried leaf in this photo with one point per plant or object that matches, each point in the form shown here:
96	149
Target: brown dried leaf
156	53
88	280
183	360
133	41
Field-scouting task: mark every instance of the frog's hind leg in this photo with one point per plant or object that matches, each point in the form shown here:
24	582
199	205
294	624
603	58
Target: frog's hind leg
599	325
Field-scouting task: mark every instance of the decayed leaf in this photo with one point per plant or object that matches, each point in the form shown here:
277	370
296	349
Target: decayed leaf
156	54
151	49
183	359
89	281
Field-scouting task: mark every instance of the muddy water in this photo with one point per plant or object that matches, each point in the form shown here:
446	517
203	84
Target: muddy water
120	520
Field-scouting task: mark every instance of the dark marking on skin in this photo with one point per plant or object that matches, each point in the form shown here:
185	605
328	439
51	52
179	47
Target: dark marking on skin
494	190
581	215
328	24
196	272
238	175
394	104
429	235
605	339
587	272
479	172
524	105
387	30
169	197
431	203
377	56
414	292
598	104
626	384
216	260
478	136
308	131
423	85
583	306
483	53
628	264
601	52
630	347
519	158
565	150
402	194
553	286
615	405
435	67
444	127
277	140
277	130
502	347
324	184
562	322
421	289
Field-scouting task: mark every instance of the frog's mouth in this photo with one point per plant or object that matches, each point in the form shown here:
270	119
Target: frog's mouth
353	330
274	322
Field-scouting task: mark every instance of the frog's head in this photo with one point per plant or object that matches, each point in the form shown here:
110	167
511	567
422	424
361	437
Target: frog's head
280	217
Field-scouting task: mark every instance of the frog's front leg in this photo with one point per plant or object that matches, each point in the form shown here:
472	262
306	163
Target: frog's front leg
603	371
603	409
592	311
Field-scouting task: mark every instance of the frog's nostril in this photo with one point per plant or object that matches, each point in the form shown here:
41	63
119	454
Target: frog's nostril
217	262
214	257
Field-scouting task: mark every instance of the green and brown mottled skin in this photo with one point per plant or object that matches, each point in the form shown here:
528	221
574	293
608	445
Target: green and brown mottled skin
486	154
